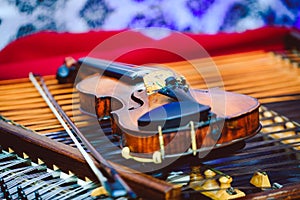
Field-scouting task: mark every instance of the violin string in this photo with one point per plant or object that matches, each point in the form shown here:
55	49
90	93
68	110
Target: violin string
113	65
241	65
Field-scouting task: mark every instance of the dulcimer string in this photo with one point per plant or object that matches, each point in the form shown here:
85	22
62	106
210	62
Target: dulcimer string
61	116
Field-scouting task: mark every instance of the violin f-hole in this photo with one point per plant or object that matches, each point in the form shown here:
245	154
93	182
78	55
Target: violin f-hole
137	100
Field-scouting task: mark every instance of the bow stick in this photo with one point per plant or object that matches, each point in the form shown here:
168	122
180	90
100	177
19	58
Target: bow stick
115	186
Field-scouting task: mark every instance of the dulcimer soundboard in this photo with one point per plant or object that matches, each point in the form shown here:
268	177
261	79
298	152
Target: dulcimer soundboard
34	144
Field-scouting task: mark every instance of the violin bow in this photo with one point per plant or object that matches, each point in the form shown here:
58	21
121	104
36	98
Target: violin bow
115	186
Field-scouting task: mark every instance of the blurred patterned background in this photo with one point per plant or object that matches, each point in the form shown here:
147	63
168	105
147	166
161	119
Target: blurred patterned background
23	17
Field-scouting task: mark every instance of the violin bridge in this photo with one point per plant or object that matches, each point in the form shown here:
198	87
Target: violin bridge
155	80
260	180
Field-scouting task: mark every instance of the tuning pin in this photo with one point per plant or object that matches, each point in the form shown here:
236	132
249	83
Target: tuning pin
37	196
3	187
171	81
7	196
1	181
5	192
182	80
21	194
182	83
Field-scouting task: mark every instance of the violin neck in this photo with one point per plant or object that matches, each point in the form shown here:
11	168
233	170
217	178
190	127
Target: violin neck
113	69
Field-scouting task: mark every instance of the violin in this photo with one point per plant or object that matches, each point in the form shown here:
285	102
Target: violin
158	115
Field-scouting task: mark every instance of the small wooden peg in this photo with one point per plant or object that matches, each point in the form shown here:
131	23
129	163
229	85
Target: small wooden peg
87	179
40	162
226	191
99	191
261	180
196	178
210	183
55	168
69	61
278	119
225	182
10	150
195	174
25	156
289	125
268	114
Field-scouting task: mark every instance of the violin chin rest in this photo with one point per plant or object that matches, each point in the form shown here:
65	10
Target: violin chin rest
173	115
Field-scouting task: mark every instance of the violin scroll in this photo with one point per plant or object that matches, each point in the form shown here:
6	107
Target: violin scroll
68	71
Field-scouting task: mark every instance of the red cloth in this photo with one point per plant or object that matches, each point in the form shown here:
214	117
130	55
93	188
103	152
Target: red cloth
44	52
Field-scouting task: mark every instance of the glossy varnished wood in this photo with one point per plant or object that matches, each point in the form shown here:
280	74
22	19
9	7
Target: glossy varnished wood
70	159
255	79
100	94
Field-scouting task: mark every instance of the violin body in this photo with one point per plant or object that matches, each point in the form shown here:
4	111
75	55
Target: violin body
124	103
